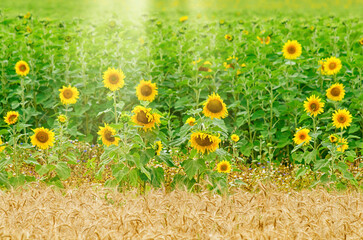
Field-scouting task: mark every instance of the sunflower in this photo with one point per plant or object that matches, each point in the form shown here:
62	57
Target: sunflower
333	138
336	92
204	142
68	95
159	147
22	68
264	40
2	147
43	138
229	37
214	107
62	118
342	118
292	49
107	135
321	68
235	138
146	91
190	121
113	79
183	18
342	145
204	68
224	167
11	117
245	32
314	105
143	117
27	15
332	66
361	41
302	135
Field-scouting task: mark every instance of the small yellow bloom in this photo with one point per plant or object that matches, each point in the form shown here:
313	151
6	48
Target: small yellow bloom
62	118
190	121
361	41
183	18
11	117
302	136
224	167
159	146
68	95
27	15
342	118
22	68
28	29
314	105
235	138
342	145
292	49
229	37
332	65
107	134
43	138
336	92
333	138
245	32
2	147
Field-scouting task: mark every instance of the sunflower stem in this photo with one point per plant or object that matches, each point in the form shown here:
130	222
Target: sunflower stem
114	104
23	105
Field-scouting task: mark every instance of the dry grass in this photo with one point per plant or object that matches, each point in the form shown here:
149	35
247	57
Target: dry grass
97	213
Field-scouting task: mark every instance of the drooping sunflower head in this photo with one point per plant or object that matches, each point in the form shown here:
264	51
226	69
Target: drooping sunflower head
22	68
302	135
224	167
214	107
68	95
342	145
146	91
113	79
107	135
228	37
183	18
342	118
292	49
190	121
1	147
336	92
333	138
145	118
11	117
159	147
62	118
42	138
314	105
204	142
332	65
235	138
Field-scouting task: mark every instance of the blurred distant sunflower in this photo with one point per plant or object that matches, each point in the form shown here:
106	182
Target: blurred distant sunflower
229	37
183	18
361	41
336	92
43	138
292	49
235	138
264	40
204	67
27	15
302	135
159	147
342	118
224	167
143	117
321	67
68	95
342	145
214	107
62	118
11	117
22	68
107	135
113	79
2	147
332	65
204	142
314	106
333	138
146	91
190	121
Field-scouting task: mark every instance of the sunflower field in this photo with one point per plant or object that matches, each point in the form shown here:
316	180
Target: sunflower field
181	93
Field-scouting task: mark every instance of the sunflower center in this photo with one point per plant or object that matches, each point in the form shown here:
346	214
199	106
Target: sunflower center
114	79
146	90
67	93
22	68
108	135
223	167
42	137
291	49
215	106
12	118
341	119
203	141
141	117
313	106
332	65
335	92
302	136
203	69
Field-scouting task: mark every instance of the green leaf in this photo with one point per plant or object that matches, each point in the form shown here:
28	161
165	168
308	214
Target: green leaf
41	170
63	170
191	167
300	172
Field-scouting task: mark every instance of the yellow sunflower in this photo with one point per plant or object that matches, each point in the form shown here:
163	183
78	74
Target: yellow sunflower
321	67
183	18
314	105
113	79
336	92
361	41
229	37
62	118
224	167
204	67
68	95
342	145
190	121
292	49
107	134
22	68
43	138
11	117
333	138
302	135
264	40
2	147
146	91
204	142
159	147
235	138
214	107
342	118
332	66
143	117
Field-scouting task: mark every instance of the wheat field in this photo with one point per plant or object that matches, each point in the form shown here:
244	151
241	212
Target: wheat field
94	212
